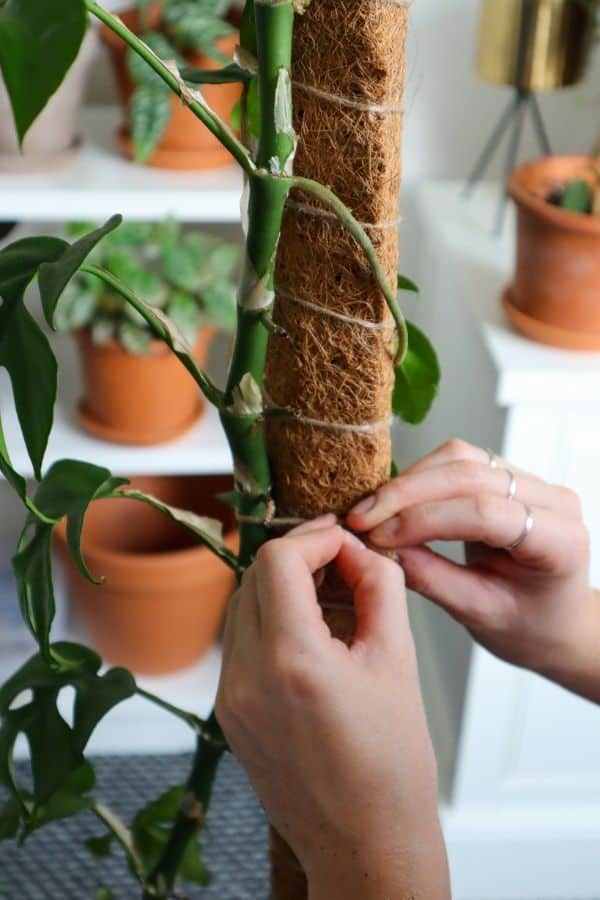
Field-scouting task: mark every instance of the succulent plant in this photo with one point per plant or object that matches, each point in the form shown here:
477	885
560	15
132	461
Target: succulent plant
187	275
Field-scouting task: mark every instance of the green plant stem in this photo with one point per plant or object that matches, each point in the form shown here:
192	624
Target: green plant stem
195	723
121	833
210	390
209	751
220	130
266	203
274	27
359	234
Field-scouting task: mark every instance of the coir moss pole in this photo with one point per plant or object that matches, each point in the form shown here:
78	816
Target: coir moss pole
333	363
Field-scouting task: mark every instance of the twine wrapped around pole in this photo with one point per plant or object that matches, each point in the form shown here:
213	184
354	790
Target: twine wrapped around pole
348	72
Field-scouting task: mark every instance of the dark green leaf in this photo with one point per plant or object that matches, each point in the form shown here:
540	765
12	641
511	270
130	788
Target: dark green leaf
151	829
33	571
417	379
149	114
10	819
405	284
38	673
95	697
231	498
67	490
54	276
39	41
45	728
104	893
577	197
248	29
394	470
100	846
24	349
16	481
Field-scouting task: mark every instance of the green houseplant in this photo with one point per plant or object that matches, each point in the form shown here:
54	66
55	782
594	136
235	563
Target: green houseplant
159	131
135	392
360	261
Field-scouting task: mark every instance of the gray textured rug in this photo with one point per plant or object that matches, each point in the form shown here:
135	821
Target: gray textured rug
54	864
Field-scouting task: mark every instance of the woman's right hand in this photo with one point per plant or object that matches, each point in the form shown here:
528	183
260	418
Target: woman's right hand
530	605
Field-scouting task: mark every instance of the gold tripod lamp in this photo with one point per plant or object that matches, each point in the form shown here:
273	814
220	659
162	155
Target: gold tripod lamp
530	45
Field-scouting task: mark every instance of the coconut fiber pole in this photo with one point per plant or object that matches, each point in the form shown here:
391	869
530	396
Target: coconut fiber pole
333	363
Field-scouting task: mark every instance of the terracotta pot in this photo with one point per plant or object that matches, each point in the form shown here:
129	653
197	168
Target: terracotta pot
555	296
139	400
186	143
162	603
52	139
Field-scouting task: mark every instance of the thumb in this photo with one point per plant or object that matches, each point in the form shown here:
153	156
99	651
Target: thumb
379	593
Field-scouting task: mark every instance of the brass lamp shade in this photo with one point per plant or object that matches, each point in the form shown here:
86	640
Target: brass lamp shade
536	45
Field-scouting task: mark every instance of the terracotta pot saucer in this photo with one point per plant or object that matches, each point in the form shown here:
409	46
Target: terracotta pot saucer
543	333
134	438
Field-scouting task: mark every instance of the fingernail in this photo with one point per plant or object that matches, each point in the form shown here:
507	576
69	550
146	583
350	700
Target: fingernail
364	506
325	521
354	541
387	531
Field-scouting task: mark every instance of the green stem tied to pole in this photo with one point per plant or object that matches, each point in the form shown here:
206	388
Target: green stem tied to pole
359	234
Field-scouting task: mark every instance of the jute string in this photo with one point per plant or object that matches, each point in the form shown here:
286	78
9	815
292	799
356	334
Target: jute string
341	317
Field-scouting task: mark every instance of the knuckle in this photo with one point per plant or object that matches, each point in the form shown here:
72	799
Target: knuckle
269	552
456	448
571	501
472	472
486	507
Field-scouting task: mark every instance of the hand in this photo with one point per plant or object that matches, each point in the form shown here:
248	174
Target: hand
532	606
334	739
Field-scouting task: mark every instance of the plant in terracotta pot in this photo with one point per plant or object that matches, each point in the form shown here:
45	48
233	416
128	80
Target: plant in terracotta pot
554	295
159	131
147	616
135	391
323	357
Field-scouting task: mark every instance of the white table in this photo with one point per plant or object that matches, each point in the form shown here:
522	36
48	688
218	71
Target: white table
519	758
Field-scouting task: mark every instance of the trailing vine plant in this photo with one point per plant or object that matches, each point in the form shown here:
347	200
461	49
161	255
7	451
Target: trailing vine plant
38	43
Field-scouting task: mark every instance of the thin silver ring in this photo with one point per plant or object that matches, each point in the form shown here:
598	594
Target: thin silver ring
512	486
492	459
527	529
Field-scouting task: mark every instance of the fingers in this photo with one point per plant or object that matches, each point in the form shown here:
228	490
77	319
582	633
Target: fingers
492	520
464	593
284	577
462	478
377	585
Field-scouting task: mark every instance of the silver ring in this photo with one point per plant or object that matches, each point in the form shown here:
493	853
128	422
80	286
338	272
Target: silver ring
512	486
527	529
492	459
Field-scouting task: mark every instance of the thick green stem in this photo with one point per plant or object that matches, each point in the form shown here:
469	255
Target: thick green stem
220	129
245	433
266	202
209	752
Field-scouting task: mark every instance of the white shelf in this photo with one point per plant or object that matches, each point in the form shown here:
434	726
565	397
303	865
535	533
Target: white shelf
526	370
203	450
99	182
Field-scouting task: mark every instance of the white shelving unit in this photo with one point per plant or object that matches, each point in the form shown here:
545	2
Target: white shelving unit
202	450
99	182
518	756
